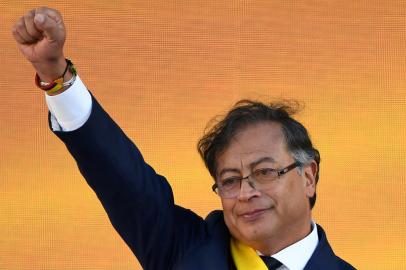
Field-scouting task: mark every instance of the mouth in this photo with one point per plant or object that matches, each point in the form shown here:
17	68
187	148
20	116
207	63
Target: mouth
253	215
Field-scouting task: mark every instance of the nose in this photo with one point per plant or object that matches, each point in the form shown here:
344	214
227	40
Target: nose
247	190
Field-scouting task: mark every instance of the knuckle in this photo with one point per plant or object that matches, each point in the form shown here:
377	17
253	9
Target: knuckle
30	14
46	10
28	18
20	24
25	16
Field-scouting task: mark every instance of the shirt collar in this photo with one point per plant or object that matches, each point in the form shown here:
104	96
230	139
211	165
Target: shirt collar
296	256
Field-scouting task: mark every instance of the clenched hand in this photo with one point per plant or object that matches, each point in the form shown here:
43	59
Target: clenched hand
40	35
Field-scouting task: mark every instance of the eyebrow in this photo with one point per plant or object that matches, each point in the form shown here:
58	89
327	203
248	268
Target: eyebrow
252	165
260	160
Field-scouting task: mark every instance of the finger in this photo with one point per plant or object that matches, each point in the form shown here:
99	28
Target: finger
49	11
17	36
22	30
50	22
30	26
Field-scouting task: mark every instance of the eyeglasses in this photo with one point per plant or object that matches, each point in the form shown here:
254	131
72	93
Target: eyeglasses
259	179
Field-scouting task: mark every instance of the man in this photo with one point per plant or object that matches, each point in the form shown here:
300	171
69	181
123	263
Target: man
262	160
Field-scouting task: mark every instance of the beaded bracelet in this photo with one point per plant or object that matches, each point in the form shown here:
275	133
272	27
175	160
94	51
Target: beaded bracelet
57	84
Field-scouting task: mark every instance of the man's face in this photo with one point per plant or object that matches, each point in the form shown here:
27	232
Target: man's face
278	215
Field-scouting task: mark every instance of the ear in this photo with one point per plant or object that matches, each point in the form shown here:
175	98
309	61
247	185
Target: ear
309	173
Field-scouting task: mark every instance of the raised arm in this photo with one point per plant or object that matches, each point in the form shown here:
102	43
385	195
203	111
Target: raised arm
138	201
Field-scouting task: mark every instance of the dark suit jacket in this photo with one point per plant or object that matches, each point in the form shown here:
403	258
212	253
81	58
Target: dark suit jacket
140	205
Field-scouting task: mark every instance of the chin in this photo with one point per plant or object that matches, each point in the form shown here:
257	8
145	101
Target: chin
254	232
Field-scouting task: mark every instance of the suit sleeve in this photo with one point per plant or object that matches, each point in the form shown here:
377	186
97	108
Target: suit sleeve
138	201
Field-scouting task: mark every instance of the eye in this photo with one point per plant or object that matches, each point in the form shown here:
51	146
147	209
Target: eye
230	182
265	173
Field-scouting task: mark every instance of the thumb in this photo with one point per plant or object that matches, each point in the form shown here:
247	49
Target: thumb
50	28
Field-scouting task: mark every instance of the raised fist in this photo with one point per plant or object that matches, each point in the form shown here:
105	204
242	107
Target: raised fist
40	35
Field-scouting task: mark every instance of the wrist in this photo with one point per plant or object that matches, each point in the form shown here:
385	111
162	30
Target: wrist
63	82
51	70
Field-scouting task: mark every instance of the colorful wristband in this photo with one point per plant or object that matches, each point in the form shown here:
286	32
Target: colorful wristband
57	84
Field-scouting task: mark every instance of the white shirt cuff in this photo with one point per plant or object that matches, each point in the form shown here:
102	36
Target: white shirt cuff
70	109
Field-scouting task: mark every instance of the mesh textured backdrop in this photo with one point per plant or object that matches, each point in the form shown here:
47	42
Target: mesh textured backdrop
162	69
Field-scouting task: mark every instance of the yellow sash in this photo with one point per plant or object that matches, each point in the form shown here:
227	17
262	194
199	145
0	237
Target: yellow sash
245	257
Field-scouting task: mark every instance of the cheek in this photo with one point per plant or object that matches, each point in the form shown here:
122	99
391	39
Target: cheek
292	196
228	207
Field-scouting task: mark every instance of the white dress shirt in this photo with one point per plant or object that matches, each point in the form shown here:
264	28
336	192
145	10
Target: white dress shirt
296	256
71	109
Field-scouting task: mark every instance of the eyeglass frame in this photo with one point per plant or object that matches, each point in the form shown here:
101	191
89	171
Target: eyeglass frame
279	173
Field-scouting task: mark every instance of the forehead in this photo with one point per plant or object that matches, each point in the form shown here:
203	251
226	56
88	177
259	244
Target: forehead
253	142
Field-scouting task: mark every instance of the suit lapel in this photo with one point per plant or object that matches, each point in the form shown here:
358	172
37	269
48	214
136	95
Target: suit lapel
323	257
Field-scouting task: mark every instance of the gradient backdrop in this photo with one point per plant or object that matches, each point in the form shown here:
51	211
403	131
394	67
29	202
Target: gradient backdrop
163	69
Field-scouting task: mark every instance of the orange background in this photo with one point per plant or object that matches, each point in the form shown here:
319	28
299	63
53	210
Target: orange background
162	69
